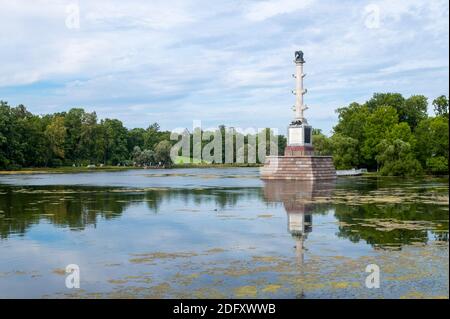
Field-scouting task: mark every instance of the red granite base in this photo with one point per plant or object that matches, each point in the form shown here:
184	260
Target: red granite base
298	150
298	168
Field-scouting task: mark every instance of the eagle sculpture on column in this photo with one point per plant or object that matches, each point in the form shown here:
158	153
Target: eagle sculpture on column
299	57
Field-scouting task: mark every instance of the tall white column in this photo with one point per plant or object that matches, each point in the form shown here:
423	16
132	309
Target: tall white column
299	135
299	91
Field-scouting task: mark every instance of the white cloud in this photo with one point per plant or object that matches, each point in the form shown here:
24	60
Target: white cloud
262	10
229	61
415	65
159	15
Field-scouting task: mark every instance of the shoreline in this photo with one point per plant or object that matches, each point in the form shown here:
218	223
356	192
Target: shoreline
70	169
75	170
60	170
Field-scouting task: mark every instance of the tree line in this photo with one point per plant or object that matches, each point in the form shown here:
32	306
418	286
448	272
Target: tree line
78	138
388	133
391	134
228	145
71	138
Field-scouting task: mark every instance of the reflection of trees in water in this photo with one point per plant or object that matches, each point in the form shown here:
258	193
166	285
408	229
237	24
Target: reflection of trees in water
359	223
219	197
302	200
78	207
61	206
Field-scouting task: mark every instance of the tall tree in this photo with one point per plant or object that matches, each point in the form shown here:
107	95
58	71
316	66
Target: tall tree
441	106
433	143
56	135
397	158
345	151
376	128
8	137
115	141
414	110
162	153
152	136
135	138
395	100
322	144
351	123
88	136
73	122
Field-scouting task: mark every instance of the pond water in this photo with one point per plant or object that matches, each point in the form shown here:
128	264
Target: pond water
213	233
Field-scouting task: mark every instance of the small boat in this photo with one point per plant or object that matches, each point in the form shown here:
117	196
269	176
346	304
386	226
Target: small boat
351	172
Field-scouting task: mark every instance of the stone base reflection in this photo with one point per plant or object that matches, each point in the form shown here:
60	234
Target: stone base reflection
299	199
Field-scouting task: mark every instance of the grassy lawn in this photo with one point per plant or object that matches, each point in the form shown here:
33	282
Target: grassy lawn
187	160
204	165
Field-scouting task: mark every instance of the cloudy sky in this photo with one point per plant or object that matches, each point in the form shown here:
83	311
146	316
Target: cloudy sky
221	62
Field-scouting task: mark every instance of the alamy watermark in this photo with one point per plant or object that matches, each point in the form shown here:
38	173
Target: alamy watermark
372	16
72	16
73	277
373	279
227	145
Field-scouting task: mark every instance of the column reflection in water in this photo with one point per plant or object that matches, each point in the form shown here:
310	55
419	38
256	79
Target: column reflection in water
298	198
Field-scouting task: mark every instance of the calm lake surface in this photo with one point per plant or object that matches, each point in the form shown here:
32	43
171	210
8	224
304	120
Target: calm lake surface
212	233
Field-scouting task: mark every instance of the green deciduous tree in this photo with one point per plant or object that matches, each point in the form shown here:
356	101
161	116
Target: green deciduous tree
395	121
432	142
75	137
10	139
115	135
414	110
88	136
401	131
351	123
143	157
135	137
441	106
437	165
146	158
345	151
73	123
56	135
376	128
397	158
322	144
151	136
351	120
394	100
410	110
162	153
